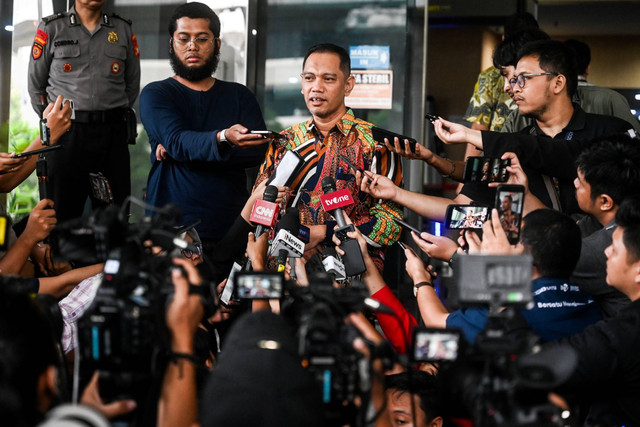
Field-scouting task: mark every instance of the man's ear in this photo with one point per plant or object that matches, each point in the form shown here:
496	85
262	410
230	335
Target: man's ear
351	82
605	203
436	422
218	42
47	388
560	83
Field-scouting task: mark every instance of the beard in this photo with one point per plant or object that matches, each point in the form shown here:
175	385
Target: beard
195	74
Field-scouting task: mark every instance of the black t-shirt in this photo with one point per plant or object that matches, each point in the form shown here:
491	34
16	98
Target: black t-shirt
554	160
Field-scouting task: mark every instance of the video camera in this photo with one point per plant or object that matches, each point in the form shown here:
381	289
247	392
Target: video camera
504	378
123	334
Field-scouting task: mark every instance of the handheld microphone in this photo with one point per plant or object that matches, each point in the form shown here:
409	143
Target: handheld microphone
333	201
332	264
265	211
286	243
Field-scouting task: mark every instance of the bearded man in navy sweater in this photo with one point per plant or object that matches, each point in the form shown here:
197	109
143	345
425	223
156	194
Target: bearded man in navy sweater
198	129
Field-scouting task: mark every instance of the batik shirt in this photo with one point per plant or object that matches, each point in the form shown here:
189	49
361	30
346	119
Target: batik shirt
352	139
490	105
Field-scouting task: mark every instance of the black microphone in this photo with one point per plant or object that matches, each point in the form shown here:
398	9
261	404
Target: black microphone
352	258
270	195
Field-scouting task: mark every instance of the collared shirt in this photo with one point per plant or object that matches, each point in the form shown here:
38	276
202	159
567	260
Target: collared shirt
351	137
74	305
98	71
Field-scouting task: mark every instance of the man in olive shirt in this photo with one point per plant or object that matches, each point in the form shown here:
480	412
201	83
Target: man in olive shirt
93	59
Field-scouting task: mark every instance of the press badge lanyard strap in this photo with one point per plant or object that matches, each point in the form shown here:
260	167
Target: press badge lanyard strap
552	184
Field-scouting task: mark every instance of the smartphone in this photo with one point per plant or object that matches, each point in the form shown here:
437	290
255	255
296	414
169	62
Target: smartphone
380	134
351	165
466	216
227	293
101	188
435	345
407	226
267	134
431	117
402	246
486	169
252	285
510	203
38	151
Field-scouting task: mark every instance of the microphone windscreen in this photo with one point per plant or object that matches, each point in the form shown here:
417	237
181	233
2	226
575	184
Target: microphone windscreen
270	193
328	184
290	221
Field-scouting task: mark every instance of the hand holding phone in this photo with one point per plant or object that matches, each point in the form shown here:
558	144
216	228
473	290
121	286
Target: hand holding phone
34	152
486	169
380	134
267	134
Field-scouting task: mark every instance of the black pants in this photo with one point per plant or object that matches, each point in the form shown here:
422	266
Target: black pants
88	148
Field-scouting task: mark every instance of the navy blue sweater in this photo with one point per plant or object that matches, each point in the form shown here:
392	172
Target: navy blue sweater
203	182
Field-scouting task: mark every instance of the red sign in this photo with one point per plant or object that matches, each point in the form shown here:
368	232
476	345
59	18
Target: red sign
264	213
337	199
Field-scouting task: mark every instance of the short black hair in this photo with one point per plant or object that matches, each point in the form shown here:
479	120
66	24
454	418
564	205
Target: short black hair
506	52
422	384
195	10
345	60
582	54
554	57
27	349
519	22
554	241
628	218
611	165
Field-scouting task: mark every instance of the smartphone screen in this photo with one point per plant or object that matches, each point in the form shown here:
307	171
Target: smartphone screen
486	169
466	216
251	285
435	345
266	134
509	203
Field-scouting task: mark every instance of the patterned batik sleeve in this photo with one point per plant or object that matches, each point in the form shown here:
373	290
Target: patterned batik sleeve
482	103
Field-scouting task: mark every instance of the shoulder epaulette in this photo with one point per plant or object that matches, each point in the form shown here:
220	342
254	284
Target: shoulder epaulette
53	17
115	15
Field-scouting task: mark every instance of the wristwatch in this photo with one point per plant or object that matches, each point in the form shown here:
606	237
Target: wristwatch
417	286
223	135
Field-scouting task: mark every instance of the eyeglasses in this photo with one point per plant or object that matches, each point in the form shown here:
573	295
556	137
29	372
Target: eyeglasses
522	78
202	43
188	253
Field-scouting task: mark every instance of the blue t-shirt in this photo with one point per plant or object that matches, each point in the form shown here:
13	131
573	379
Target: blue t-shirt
560	309
204	183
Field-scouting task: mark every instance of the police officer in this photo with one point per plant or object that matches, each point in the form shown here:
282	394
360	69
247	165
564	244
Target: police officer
93	59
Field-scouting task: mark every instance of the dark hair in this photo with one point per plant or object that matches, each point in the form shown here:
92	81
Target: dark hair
582	54
519	22
345	61
628	218
554	241
28	349
195	10
506	52
611	165
422	384
553	57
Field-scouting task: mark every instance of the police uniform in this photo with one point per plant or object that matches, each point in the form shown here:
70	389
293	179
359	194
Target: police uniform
100	72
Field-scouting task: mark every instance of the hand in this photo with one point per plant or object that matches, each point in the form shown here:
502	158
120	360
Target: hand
362	242
91	397
367	330
415	267
317	234
438	247
404	149
9	164
494	241
240	136
58	118
185	311
257	250
455	134
161	153
378	186
516	174
43	256
41	221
